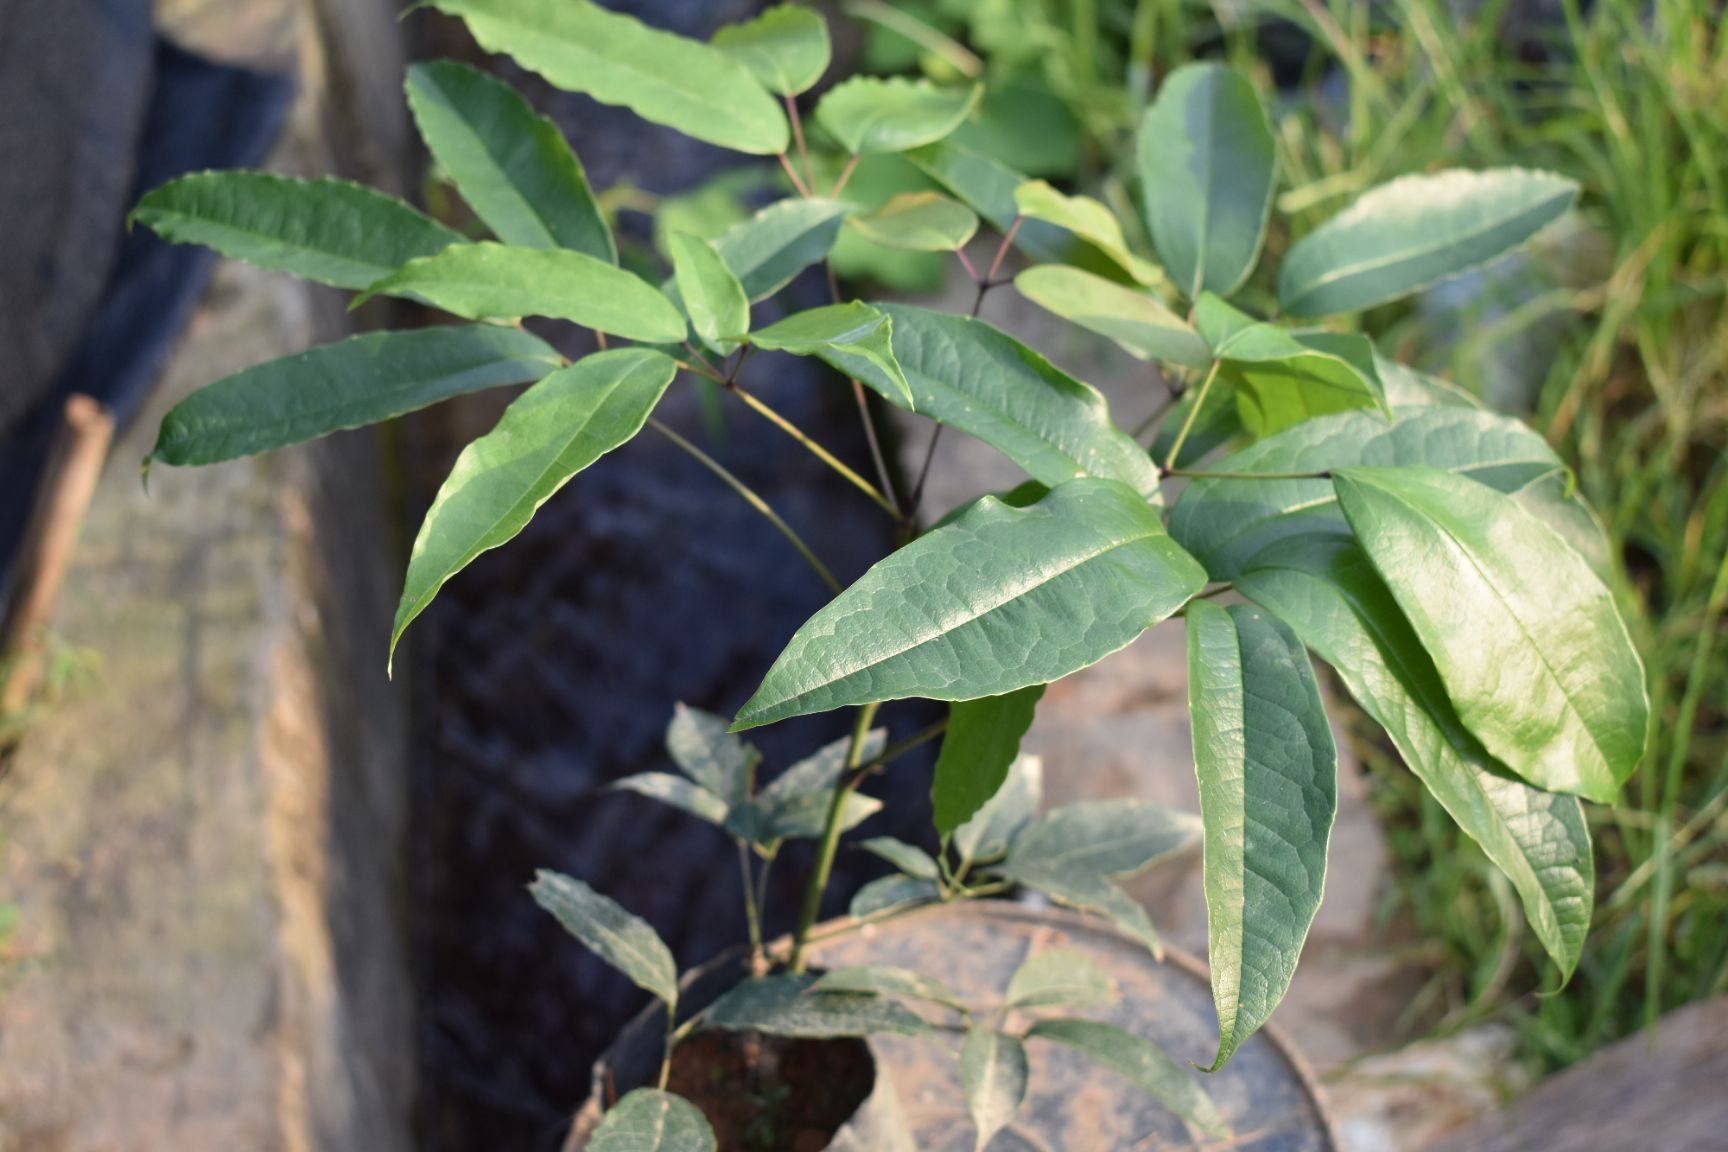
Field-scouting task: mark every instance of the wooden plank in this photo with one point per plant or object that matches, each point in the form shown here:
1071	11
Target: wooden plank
1672	1096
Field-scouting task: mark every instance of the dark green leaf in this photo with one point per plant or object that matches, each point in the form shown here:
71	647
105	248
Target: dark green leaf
624	941
908	858
919	222
1331	597
841	334
887	980
984	382
551	432
981	741
358	381
964	611
1142	1064
648	1120
497	282
1283	379
892	114
786	48
513	167
1057	978
1414	232
1207	171
668	79
330	231
715	301
1268	791
680	793
994	1073
1136	320
894	891
986	835
779	242
1225	522
789	1006
1110	837
1527	639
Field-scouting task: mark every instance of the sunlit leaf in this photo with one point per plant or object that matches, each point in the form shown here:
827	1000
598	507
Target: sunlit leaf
919	222
786	48
1137	321
892	114
711	294
842	335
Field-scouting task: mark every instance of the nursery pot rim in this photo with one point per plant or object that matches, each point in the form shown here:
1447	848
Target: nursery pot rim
1009	911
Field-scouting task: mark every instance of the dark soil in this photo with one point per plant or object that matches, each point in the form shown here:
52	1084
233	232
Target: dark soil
767	1095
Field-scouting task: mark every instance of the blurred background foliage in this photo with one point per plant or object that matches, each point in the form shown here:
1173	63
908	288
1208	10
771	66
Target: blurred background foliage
1611	336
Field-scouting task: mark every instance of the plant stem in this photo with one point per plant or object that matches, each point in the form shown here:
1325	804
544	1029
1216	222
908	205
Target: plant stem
1188	424
830	837
923	475
752	910
1202	474
1176	392
845	175
671	1043
898	749
753	500
802	188
816	450
798	135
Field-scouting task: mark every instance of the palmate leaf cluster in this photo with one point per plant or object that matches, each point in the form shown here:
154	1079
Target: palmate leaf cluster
1427	549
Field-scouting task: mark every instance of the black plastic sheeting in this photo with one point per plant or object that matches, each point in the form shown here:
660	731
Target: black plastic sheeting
201	115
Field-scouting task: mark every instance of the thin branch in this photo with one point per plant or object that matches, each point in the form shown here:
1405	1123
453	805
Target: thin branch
803	188
753	500
798	135
923	475
1002	250
762	408
1177	391
833	826
845	175
1188	424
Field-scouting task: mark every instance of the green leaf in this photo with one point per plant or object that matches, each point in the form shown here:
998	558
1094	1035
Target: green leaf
1330	596
1207	171
986	835
1268	776
497	282
984	382
1087	219
1000	599
1414	232
766	251
1137	321
624	941
678	792
1057	978
1225	522
668	79
547	435
1407	388
512	166
705	751
981	742
1282	379
1551	500
993	1072
908	858
330	231
795	805
790	1006
715	301
919	222
1528	641
786	48
893	114
1142	1064
1088	891
357	381
894	891
840	334
1110	837
648	1120
887	980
